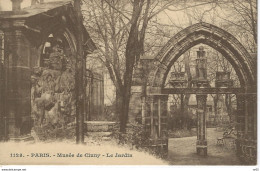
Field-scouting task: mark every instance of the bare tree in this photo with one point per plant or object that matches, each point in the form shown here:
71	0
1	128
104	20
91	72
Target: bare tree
79	76
240	16
120	29
121	34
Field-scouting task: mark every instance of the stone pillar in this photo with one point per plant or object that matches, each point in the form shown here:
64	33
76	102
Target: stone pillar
250	115
147	112
143	109
250	145
254	116
201	82
162	115
201	144
162	101
246	143
155	115
240	118
135	105
18	108
155	122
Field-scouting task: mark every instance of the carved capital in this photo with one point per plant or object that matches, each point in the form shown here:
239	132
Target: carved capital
201	100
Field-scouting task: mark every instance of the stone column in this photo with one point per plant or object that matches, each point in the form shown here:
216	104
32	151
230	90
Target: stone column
250	113
153	115
201	144
162	101
146	113
155	121
246	143
18	93
163	115
201	82
255	116
240	118
135	105
157	114
143	109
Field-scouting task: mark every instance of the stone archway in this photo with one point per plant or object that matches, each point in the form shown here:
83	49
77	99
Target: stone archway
243	63
210	35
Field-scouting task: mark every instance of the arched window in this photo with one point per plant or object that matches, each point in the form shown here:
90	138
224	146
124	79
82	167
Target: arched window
57	51
53	56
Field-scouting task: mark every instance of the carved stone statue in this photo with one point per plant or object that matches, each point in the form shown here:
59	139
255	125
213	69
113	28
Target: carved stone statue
57	56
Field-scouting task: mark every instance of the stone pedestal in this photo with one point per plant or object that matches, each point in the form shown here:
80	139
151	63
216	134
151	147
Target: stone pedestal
201	144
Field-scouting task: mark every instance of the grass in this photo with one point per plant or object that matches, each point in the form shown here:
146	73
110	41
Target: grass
182	133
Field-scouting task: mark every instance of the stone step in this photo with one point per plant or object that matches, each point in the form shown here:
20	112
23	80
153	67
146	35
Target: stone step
99	126
99	134
96	126
106	138
23	138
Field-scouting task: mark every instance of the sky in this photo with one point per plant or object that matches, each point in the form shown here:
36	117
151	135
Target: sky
6	5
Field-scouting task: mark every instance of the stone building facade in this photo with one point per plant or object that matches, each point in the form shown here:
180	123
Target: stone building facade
39	49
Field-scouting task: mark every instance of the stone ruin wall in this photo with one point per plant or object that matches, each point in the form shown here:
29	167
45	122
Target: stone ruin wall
52	94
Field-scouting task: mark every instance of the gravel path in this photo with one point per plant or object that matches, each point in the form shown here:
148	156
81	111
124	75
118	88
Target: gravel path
182	151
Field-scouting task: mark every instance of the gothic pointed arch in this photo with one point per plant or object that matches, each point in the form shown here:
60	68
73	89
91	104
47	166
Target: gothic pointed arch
212	36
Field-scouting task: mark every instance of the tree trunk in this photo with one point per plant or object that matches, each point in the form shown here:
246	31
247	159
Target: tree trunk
132	53
118	103
125	106
79	77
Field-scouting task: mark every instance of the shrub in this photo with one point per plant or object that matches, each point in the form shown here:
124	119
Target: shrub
136	137
51	132
178	121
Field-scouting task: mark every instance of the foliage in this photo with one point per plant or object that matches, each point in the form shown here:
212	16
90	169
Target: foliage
136	137
178	120
182	133
51	132
110	114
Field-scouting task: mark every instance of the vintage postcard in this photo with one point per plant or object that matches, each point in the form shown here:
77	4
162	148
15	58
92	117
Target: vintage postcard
128	82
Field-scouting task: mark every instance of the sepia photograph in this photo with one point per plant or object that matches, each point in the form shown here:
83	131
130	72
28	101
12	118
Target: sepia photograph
128	82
